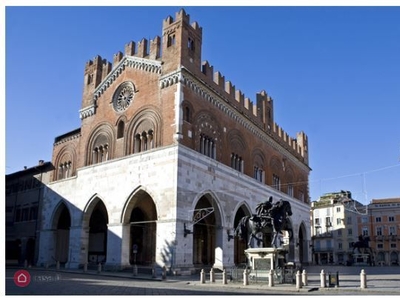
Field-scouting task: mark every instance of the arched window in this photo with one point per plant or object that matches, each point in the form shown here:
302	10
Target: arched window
171	40
100	154
64	170
187	114
207	146
258	174
236	162
120	131
143	141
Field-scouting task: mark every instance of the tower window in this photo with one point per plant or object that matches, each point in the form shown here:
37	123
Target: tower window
90	79
191	44
171	40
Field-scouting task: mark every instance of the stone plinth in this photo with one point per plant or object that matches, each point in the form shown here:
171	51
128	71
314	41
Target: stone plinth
265	259
362	259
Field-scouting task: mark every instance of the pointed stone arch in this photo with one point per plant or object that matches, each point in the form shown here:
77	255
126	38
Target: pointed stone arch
61	224
207	219
139	217
302	243
95	222
239	257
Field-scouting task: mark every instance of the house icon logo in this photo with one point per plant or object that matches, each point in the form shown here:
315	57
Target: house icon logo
22	278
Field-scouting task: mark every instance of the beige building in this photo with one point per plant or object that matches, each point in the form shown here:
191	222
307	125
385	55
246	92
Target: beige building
168	158
334	228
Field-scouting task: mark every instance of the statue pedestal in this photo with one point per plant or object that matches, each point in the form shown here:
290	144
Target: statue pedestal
265	259
361	259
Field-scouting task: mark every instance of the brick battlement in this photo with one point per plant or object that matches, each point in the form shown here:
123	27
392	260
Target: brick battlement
260	113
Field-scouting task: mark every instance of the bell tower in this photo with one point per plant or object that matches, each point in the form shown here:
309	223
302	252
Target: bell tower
181	43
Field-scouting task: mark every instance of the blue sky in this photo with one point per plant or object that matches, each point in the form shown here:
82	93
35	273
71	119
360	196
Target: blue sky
333	72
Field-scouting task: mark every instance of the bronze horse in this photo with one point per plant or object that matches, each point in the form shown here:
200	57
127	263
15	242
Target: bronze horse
362	243
275	220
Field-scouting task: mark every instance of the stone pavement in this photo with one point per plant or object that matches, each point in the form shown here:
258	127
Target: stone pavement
378	281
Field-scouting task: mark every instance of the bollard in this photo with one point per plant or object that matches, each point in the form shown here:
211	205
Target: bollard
298	279
363	279
323	279
85	267
164	273
134	270
245	277
99	268
212	275
337	278
224	281
304	278
153	272
202	276
271	278
58	265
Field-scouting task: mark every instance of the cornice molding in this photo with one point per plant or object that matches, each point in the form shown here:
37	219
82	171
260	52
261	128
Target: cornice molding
87	112
68	138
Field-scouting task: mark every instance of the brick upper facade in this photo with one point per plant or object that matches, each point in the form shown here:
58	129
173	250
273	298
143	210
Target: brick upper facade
178	98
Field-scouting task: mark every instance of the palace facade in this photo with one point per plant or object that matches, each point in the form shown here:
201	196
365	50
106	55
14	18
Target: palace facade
168	158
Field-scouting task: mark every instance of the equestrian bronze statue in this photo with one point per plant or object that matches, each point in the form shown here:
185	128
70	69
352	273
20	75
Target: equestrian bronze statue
362	245
270	218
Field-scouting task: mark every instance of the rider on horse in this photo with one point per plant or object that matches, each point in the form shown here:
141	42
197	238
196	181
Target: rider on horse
263	211
263	208
277	214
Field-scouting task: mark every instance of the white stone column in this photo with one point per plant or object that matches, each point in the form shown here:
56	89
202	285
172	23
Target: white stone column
84	251
223	250
118	244
178	110
75	255
46	247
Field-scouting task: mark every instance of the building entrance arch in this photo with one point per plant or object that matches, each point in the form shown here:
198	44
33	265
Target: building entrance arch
240	244
98	234
206	232
62	221
140	216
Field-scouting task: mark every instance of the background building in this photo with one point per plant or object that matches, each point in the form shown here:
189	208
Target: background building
24	193
168	158
382	224
334	227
